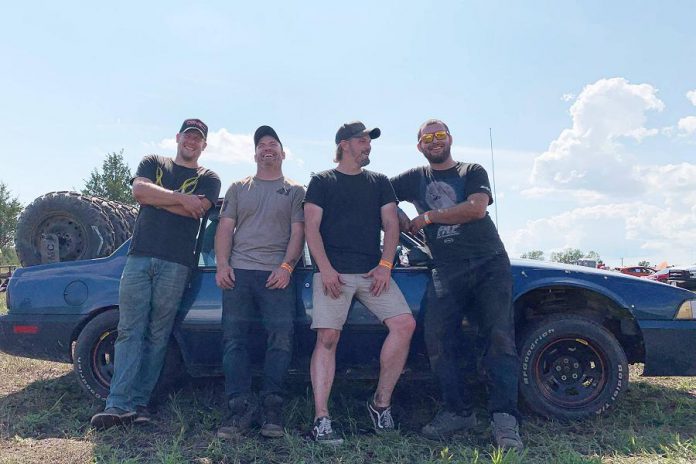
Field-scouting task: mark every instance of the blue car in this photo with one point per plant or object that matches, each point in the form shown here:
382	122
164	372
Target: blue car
577	328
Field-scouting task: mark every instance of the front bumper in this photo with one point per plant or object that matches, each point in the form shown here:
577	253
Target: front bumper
51	341
670	347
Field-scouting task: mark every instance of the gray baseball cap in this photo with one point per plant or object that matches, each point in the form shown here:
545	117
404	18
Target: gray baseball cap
353	129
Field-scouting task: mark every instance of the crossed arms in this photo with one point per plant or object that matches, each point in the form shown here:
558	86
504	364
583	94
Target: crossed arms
148	193
473	209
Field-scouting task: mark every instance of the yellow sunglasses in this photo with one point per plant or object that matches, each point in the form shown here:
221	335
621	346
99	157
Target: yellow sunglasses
440	135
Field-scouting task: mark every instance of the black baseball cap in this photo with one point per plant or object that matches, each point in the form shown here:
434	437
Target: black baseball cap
194	124
353	129
264	131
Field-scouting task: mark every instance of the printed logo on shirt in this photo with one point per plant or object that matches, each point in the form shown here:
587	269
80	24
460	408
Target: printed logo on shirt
187	186
444	232
283	191
440	195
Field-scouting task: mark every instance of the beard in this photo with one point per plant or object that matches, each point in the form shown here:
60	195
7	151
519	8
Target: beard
438	158
362	159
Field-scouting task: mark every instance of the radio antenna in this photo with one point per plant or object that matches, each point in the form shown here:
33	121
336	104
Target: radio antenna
495	198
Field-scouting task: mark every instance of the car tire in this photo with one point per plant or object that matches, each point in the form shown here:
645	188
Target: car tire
82	228
571	367
93	359
122	231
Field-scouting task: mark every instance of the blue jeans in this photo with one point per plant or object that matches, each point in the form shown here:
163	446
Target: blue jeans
481	289
247	303
149	298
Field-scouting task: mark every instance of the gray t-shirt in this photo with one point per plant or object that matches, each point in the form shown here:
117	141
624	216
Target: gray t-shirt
263	211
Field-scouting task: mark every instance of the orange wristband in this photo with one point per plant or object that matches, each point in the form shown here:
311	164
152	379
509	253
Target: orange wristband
287	267
426	218
385	263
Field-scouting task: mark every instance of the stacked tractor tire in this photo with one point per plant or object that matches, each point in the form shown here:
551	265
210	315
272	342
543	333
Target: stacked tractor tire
82	226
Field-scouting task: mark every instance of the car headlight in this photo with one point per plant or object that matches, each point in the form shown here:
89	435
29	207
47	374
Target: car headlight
687	310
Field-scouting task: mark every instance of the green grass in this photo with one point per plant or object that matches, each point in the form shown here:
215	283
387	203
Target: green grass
44	417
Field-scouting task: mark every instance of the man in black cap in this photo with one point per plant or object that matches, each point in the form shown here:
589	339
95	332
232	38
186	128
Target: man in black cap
174	194
259	240
345	208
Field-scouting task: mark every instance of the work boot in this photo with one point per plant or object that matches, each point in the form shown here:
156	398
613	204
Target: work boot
506	432
241	416
445	423
272	420
142	415
110	417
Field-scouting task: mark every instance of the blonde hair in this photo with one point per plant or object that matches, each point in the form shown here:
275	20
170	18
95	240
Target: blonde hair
339	153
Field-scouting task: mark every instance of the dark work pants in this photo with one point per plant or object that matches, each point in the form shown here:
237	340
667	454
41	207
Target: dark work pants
481	289
247	303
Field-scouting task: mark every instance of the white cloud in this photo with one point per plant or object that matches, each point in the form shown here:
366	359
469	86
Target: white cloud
614	230
691	95
583	197
687	125
568	97
590	155
229	148
612	196
669	179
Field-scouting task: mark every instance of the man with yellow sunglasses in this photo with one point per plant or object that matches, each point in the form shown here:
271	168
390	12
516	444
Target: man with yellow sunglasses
471	277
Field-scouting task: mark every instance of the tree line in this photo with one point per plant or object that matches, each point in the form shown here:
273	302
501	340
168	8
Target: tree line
570	256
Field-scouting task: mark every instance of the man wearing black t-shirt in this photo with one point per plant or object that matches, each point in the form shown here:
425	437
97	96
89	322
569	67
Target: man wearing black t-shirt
345	208
174	194
471	277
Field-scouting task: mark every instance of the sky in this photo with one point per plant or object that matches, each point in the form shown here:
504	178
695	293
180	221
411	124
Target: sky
590	105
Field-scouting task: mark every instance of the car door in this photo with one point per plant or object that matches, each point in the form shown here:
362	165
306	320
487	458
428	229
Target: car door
199	327
363	334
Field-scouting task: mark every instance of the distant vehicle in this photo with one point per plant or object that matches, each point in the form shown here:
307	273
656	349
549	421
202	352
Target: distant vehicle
587	262
577	328
677	276
638	271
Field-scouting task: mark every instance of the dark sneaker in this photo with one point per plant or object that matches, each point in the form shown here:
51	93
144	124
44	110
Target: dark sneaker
445	423
272	419
110	417
242	413
506	432
323	433
142	415
382	419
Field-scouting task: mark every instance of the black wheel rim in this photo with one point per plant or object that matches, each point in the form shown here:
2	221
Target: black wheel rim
72	237
571	372
103	358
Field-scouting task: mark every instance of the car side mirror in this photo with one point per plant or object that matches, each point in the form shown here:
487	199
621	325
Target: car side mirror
418	256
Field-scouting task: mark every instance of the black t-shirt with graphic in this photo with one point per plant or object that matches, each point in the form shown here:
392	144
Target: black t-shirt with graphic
351	219
157	232
430	189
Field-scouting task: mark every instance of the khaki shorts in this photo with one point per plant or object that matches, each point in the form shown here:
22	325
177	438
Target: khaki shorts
329	313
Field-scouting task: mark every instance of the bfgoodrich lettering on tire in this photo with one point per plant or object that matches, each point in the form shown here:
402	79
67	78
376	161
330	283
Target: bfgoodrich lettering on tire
94	358
571	367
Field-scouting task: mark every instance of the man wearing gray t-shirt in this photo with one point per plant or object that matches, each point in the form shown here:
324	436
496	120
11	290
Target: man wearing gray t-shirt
258	241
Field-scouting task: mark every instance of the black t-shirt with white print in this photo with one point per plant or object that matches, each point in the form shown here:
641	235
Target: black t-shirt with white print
430	189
